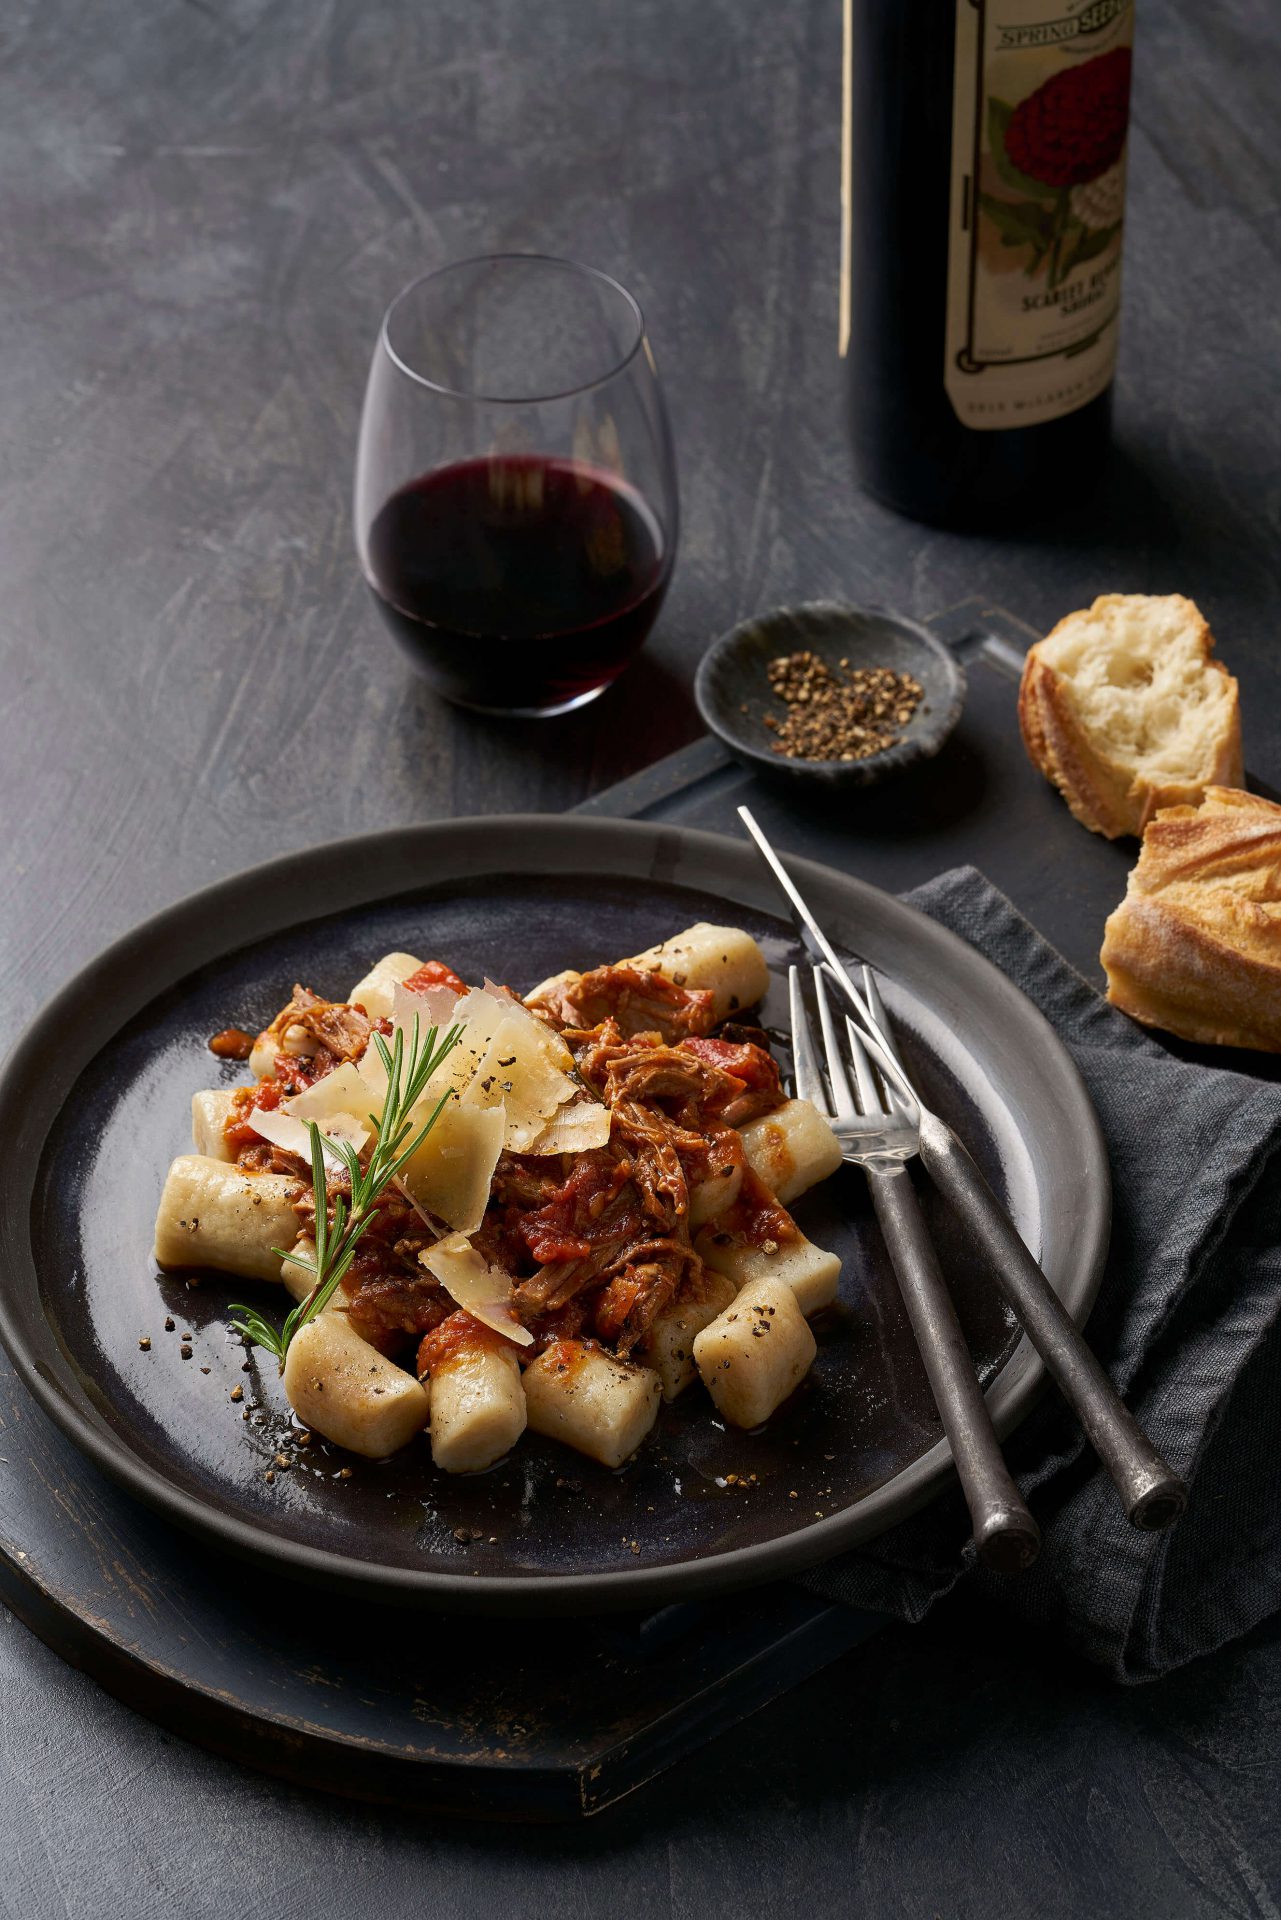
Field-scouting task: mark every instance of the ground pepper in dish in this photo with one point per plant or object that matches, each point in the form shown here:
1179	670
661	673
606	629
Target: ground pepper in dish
841	713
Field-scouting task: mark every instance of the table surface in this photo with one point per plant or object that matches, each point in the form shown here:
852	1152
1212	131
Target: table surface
206	209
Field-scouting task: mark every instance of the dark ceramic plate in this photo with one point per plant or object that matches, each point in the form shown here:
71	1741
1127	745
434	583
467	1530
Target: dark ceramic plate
734	695
95	1101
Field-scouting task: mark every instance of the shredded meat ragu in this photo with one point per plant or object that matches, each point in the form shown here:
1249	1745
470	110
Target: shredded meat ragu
597	1242
617	1227
637	1001
342	1031
331	1032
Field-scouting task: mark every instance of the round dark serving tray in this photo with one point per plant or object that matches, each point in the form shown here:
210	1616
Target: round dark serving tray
95	1099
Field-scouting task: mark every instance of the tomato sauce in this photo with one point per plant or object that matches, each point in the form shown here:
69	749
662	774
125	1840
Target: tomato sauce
742	1058
434	973
233	1043
755	1219
455	1337
237	1132
565	1228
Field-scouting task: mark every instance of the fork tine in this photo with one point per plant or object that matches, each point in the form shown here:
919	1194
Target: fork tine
870	1098
873	1037
872	994
894	1100
805	1068
842	1099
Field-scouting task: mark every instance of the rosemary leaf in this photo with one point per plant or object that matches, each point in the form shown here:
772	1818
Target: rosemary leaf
337	1236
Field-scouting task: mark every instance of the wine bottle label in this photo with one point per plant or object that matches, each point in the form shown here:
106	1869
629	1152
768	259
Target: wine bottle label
1039	120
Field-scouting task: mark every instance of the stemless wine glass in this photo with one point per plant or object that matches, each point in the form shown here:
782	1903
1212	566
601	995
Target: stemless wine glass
516	508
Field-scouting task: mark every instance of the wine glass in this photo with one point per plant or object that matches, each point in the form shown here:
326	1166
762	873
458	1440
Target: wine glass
515	506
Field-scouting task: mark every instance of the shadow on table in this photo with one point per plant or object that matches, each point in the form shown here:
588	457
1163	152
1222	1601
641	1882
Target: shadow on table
961	1767
1154	525
519	764
966	1749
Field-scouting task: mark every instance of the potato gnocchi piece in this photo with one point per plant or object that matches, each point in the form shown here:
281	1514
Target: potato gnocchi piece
668	1347
299	1280
812	1274
600	1405
210	1113
213	1215
756	1353
477	1407
268	1047
713	1195
791	1149
340	1386
262	1057
723	960
376	992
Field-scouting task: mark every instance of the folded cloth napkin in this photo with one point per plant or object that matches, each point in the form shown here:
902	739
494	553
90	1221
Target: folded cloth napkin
1188	1324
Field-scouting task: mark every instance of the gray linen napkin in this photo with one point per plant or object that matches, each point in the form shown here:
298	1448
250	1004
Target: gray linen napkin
1188	1323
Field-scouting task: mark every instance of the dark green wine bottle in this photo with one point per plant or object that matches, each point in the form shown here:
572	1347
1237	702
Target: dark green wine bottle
983	215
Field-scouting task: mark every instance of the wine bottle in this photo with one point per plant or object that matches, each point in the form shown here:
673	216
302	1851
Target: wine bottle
984	199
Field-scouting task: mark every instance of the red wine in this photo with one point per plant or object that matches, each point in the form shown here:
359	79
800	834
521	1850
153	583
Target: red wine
985	197
517	584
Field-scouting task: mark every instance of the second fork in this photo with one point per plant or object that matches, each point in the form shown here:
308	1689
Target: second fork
875	1134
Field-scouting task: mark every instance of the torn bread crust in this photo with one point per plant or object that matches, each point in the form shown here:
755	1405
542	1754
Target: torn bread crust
1124	708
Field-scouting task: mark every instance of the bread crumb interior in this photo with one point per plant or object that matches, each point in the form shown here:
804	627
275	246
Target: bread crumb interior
1134	670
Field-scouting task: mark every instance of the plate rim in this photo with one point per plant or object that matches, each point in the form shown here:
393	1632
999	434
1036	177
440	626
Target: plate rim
1009	1396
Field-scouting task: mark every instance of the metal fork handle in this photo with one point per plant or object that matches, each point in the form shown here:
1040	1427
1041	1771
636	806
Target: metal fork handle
1152	1493
1005	1534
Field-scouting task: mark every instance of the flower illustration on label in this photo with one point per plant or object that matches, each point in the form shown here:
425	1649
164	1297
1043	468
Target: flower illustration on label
1061	149
1072	129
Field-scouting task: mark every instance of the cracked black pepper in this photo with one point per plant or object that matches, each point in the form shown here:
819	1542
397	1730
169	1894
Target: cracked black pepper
841	712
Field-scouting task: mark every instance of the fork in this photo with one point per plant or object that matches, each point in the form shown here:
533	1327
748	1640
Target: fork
877	1131
1152	1493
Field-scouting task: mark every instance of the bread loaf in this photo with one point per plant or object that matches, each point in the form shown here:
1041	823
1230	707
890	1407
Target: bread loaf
1195	946
1125	709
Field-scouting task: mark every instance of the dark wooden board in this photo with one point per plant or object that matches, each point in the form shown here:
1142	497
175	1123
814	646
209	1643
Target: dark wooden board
550	1724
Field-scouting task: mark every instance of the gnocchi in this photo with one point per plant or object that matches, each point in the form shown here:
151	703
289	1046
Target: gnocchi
345	1389
756	1353
594	1402
213	1215
587	1220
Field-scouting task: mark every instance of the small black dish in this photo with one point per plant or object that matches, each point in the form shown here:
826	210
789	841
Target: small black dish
734	694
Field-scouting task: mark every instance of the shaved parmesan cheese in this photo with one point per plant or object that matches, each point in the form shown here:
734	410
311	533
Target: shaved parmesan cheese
285	1131
342	1092
574	1130
553	1047
451	1172
433	1007
374	991
484	1291
374	1076
519	1075
480	1015
481	1011
505	1059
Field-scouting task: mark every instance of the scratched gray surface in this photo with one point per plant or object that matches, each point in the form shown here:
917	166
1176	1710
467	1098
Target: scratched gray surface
204	209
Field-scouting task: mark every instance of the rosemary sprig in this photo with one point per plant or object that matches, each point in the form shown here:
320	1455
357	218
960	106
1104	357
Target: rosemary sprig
336	1239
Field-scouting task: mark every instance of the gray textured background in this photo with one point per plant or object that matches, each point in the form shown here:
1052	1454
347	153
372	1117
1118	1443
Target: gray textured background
205	208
